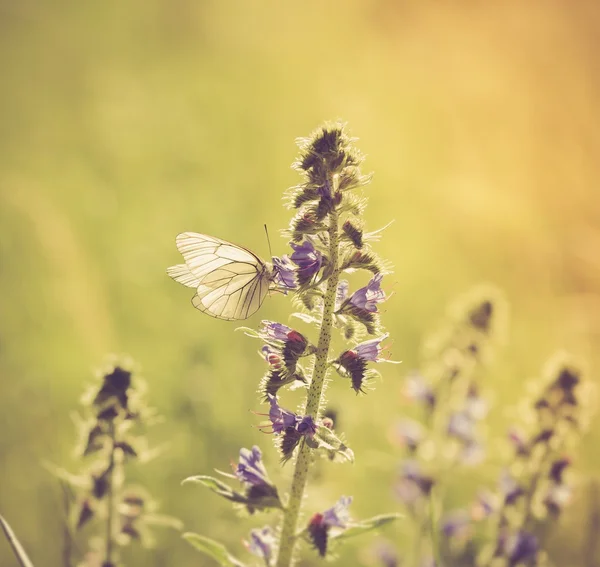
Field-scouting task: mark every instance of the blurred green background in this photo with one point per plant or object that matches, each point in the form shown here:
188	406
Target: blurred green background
124	123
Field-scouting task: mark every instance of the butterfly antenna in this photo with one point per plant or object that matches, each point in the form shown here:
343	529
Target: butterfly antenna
268	240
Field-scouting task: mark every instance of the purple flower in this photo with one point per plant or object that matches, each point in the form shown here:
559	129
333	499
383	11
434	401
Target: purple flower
557	469
456	524
413	483
308	259
370	350
369	296
461	426
338	515
353	363
280	418
320	524
386	554
557	497
510	489
484	506
519	441
274	331
250	469
522	547
307	426
285	272
408	433
262	543
416	388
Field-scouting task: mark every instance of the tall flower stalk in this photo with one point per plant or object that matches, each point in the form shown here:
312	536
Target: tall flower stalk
327	239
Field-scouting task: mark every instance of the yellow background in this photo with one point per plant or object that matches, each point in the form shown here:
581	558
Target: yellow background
124	123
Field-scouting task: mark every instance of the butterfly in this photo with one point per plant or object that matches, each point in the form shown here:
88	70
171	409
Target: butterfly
231	282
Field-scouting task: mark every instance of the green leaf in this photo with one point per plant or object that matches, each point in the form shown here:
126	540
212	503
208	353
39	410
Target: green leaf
218	487
213	549
359	528
327	440
17	548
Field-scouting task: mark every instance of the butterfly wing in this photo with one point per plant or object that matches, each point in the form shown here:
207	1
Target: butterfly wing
231	282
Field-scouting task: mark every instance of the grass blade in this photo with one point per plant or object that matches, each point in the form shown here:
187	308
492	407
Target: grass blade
24	561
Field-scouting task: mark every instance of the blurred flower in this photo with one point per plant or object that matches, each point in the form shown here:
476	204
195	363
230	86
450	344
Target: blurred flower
519	441
262	543
413	484
320	524
407	433
385	554
521	548
308	259
557	468
416	388
557	497
456	524
509	488
484	506
338	515
461	426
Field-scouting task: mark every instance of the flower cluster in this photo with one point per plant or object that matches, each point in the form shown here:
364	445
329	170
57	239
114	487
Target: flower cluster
283	349
535	486
501	526
326	239
447	391
112	410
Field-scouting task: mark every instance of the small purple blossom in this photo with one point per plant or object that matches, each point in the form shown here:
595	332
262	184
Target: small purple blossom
461	426
416	388
274	331
370	350
456	524
250	468
307	426
320	524
280	418
262	543
557	497
369	296
338	515
413	483
519	441
484	506
285	272
510	489
558	468
408	433
308	259
353	363
385	554
522	547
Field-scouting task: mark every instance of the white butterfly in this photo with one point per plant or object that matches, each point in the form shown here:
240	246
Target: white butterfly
231	282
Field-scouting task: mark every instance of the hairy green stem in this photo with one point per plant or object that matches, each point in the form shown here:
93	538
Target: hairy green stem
313	401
